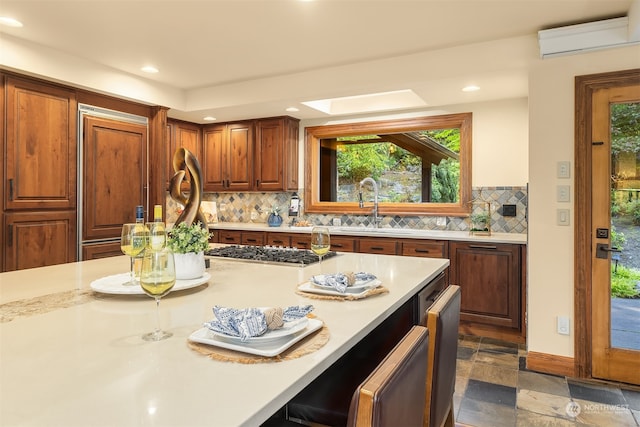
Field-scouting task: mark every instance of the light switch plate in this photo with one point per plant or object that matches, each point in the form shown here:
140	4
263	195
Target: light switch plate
564	193
564	170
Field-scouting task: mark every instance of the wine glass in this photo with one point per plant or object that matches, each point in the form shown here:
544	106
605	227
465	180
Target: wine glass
132	243
320	241
157	277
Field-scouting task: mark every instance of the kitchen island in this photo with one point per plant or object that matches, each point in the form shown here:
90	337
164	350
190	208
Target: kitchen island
73	357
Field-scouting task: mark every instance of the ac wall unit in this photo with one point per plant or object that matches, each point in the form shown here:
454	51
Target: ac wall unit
583	37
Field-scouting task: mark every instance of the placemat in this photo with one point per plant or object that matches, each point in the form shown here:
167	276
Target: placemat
44	304
347	297
308	345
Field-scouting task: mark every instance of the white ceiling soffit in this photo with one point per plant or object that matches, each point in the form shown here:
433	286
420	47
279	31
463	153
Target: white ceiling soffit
590	36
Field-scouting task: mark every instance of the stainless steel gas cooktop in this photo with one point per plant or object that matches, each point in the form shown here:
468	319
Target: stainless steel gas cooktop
268	254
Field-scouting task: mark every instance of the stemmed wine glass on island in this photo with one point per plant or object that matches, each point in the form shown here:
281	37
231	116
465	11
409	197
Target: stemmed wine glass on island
320	241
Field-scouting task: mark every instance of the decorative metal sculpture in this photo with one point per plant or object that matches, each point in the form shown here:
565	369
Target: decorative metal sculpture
184	160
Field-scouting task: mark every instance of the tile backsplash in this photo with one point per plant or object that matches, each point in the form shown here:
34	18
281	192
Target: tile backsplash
256	207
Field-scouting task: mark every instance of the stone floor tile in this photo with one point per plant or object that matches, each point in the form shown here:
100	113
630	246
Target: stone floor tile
463	368
604	415
492	393
531	419
460	386
494	374
543	403
485	414
543	383
466	353
491	344
496	358
632	398
595	393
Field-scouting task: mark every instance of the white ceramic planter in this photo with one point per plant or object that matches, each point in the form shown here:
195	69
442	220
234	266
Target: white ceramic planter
189	265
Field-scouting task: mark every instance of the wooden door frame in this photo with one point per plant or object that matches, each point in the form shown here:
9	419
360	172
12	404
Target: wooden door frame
584	88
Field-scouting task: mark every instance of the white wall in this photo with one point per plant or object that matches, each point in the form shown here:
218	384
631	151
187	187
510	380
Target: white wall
551	139
500	138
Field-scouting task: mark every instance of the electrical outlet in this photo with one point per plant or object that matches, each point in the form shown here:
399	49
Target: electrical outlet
563	217
441	221
563	325
508	210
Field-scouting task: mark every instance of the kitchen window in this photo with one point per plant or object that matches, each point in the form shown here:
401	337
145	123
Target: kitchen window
422	166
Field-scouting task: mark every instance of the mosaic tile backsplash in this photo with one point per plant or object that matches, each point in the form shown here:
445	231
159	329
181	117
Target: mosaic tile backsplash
256	207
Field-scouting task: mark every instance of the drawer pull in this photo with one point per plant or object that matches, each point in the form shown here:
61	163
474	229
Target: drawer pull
377	248
252	240
278	241
229	238
337	245
422	251
491	247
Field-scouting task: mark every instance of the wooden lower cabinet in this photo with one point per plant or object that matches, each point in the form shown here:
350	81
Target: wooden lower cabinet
232	237
101	250
252	238
425	248
37	239
490	281
279	239
378	246
343	244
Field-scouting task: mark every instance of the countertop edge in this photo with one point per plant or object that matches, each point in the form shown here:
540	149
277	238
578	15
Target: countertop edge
512	238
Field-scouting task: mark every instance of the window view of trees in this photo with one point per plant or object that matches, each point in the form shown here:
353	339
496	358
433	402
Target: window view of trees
398	171
625	198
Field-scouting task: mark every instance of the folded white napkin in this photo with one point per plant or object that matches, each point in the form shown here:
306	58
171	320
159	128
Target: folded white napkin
341	281
252	322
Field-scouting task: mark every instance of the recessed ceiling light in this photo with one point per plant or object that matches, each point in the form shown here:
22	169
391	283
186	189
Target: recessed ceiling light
292	109
470	88
149	69
10	22
209	118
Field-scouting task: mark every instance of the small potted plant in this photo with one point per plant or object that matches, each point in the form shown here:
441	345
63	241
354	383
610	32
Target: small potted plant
188	243
274	219
480	223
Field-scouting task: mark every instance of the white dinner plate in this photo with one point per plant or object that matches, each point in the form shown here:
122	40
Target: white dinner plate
314	289
114	284
287	329
268	348
359	286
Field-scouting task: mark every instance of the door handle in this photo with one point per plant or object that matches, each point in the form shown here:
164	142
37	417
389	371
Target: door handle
11	189
602	250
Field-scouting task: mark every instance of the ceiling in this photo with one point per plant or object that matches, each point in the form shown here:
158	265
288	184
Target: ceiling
235	59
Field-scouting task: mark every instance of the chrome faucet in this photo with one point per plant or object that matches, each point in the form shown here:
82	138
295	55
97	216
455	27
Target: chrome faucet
376	218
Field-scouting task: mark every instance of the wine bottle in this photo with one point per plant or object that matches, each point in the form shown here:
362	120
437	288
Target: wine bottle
139	240
158	236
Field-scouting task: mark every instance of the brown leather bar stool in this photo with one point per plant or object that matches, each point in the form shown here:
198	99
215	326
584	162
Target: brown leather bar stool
394	393
443	319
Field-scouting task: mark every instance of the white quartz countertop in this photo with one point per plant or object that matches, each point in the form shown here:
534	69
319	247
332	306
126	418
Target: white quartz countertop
405	233
85	363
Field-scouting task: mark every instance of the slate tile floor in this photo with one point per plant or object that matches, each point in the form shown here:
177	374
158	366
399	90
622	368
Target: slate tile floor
494	388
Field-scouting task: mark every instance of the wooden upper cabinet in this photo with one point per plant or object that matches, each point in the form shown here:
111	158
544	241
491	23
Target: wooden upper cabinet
183	135
228	156
41	144
276	154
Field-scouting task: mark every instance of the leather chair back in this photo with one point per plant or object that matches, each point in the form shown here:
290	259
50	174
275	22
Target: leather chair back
443	319
395	392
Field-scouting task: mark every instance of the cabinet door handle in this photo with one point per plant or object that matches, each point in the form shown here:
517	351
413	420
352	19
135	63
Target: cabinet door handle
11	189
10	235
257	183
483	247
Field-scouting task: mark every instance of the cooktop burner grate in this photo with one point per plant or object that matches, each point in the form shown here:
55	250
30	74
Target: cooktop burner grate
269	254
